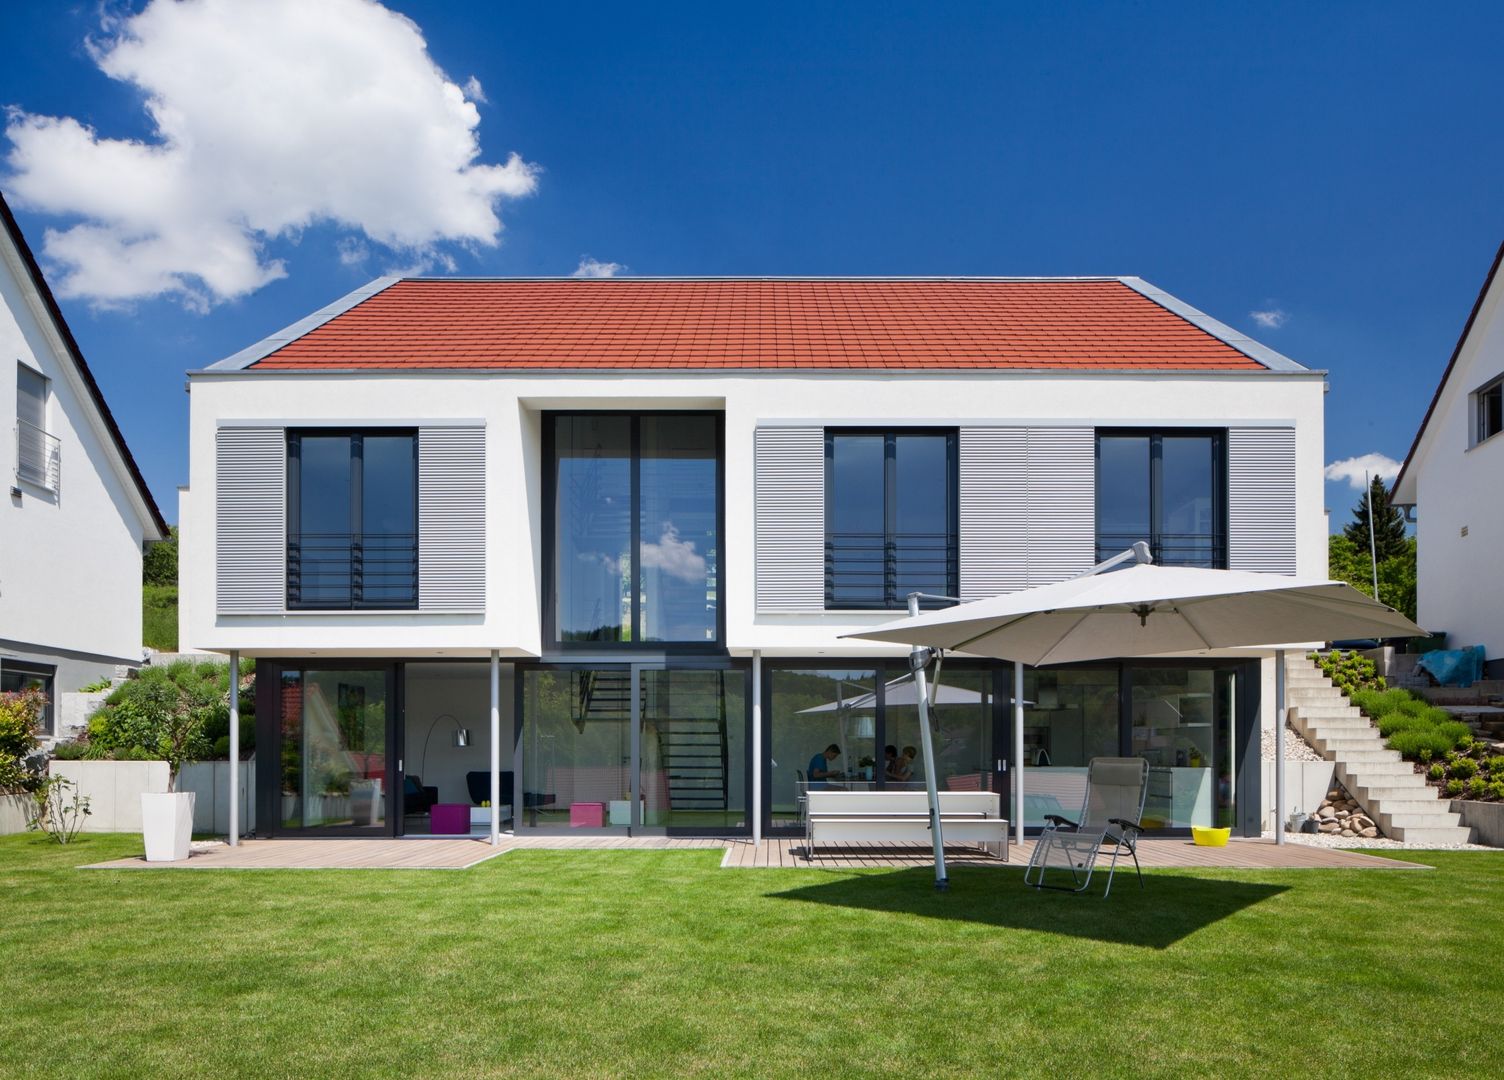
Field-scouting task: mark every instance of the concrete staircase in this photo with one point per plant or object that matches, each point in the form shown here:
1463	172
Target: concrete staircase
1391	792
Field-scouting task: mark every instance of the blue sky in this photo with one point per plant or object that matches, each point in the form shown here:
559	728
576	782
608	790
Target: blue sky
1337	165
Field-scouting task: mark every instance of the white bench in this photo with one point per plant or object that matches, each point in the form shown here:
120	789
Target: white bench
904	817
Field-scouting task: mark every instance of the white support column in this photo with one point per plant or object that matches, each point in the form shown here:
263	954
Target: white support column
496	749
1279	746
234	747
757	746
1018	752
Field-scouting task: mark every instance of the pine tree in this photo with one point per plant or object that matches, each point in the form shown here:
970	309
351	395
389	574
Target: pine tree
1389	539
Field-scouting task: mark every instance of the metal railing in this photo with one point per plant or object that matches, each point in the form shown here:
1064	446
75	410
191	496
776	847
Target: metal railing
39	456
1207	550
343	570
877	570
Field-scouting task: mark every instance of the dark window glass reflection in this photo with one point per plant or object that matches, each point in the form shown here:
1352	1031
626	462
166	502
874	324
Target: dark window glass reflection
1165	489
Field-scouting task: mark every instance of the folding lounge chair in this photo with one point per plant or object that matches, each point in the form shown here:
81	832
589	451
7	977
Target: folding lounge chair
1110	816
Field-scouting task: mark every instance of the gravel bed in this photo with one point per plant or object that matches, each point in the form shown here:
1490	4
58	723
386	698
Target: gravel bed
1328	841
1296	748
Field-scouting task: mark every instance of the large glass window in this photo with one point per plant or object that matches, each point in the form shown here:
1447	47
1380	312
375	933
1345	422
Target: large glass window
1489	406
648	484
334	750
962	733
1173	713
822	728
1071	716
37	452
694	749
352	531
891	521
1165	488
577	748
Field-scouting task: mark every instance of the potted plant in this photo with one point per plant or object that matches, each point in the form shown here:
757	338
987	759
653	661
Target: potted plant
167	816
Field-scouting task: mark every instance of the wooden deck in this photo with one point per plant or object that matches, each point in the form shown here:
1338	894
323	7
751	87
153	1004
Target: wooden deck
458	854
1158	853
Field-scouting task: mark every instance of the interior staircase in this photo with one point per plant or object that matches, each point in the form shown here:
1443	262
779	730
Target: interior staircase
1391	792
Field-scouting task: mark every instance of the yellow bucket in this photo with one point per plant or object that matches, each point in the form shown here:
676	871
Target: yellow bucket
1205	837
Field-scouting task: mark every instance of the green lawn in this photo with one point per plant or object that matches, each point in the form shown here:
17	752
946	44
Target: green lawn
657	963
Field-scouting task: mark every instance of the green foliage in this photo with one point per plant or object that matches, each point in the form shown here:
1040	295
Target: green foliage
1389	534
1419	744
57	815
1348	562
1477	788
1416	730
162	714
160	565
1462	768
103	683
70	751
1495	791
1495	766
1351	671
20	721
159	617
1437	772
1454	788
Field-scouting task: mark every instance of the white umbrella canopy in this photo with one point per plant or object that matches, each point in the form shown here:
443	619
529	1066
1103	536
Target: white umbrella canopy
1146	609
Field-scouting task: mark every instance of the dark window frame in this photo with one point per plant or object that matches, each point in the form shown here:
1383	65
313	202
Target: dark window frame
357	476
891	601
47	672
550	536
1494	388
1156	435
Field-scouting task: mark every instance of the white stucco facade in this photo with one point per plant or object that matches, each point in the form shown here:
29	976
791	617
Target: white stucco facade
70	554
511	406
1456	484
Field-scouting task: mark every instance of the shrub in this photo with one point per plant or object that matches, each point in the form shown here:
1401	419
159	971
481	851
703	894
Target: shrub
1495	767
57	815
1454	788
1495	790
1462	768
1437	772
70	751
177	713
1420	744
103	683
20	722
1477	787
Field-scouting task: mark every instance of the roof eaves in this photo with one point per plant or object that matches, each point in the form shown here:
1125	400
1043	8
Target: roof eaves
272	342
1467	329
1272	360
13	228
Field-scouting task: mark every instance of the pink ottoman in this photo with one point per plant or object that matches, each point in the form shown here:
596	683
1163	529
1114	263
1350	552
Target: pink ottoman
587	815
446	818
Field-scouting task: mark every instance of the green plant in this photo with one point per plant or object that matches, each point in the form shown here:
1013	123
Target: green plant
70	751
1461	767
159	617
1437	772
1496	790
104	682
56	815
163	713
1454	788
20	720
1419	744
1477	787
1495	766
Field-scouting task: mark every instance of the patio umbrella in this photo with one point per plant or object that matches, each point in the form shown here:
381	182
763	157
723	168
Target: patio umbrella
1145	610
898	692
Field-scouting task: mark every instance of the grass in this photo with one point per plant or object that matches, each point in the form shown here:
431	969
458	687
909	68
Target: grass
159	617
658	963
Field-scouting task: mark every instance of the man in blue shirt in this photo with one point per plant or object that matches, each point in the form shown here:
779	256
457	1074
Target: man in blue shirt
820	768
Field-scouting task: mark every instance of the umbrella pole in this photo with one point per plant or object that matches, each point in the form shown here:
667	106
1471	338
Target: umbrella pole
1279	746
1018	751
919	659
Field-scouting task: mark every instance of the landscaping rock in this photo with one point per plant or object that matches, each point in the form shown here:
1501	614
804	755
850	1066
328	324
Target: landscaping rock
1342	816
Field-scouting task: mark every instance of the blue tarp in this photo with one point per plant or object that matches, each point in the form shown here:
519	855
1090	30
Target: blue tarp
1453	667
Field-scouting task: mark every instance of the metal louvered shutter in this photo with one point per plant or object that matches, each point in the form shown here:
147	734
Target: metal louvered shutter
1062	472
994	512
452	519
250	503
1261	500
789	506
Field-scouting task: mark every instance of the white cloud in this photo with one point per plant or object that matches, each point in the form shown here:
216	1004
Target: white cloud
673	556
595	268
475	92
1353	469
1270	319
268	118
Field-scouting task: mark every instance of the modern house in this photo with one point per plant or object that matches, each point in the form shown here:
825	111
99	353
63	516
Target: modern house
1454	477
636	516
77	514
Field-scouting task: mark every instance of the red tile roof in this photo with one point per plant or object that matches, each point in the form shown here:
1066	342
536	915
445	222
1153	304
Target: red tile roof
759	323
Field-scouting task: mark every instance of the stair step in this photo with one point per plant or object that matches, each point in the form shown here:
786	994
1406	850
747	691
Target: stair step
1393	823
1384	768
1454	834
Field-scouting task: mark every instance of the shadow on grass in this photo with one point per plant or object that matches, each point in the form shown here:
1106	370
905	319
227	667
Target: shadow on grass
1167	909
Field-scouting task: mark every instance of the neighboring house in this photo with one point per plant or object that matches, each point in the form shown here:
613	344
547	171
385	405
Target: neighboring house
77	513
1454	477
657	505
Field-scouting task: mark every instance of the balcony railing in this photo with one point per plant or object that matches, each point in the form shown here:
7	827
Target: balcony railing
39	456
342	570
1206	550
878	570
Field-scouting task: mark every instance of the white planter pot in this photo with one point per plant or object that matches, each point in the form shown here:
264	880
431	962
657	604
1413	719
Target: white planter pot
167	825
